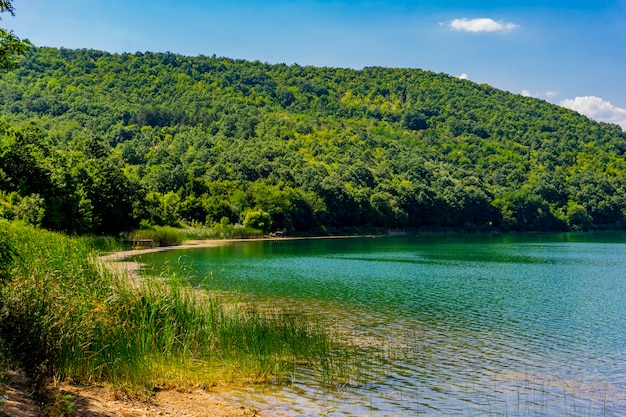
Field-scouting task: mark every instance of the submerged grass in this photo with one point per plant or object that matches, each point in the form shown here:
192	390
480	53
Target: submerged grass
66	316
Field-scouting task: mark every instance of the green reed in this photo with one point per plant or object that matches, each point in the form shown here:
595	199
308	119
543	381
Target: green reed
174	236
159	235
220	231
64	314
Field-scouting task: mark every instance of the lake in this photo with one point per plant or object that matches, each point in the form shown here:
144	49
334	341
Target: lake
469	325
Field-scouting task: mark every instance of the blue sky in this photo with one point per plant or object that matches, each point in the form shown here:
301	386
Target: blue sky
571	53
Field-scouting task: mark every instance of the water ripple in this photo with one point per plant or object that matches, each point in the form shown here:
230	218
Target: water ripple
465	326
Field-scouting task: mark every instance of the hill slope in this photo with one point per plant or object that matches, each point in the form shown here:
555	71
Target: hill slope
113	139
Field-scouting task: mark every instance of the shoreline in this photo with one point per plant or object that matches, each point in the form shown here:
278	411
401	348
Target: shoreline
115	262
211	243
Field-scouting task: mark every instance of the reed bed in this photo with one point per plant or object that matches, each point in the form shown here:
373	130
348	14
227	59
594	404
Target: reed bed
173	236
65	316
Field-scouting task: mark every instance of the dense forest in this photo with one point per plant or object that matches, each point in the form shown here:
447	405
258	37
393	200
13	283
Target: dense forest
92	142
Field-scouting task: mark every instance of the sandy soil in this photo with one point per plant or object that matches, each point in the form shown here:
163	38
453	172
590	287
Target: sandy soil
115	262
97	401
18	398
21	400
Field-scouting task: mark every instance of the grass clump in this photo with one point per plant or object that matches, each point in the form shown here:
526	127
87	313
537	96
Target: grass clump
65	315
157	236
221	231
173	236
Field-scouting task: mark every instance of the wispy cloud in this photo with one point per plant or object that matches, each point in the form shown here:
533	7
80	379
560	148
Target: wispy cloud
597	109
463	76
548	94
483	24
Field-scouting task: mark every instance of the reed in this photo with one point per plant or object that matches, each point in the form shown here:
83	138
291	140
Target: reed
220	231
66	316
158	235
173	236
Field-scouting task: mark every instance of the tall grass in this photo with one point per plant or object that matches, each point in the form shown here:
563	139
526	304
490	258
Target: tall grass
64	315
172	236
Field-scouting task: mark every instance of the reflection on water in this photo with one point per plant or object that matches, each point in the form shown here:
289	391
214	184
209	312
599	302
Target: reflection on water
475	325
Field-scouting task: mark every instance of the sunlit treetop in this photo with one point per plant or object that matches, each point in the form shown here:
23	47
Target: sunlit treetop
11	47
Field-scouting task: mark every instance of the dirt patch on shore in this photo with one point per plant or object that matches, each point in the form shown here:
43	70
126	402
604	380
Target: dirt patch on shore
19	396
116	262
101	401
22	399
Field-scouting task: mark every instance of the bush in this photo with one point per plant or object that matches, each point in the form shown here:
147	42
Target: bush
158	236
258	219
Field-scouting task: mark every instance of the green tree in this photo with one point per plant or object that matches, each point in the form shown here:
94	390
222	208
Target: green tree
577	217
11	47
32	209
522	210
316	148
258	219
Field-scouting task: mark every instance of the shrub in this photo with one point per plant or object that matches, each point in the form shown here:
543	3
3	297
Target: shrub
258	219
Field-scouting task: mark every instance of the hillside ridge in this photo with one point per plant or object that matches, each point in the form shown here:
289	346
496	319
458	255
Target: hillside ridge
97	142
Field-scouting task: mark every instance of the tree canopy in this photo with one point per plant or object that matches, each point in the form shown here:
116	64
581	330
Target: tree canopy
96	142
11	47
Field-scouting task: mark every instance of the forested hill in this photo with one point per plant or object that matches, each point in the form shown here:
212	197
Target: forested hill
96	142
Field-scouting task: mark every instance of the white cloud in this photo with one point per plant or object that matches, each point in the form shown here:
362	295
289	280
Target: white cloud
482	24
464	76
548	94
597	109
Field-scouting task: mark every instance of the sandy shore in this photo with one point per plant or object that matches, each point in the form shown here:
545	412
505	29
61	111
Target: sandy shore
115	262
21	399
118	256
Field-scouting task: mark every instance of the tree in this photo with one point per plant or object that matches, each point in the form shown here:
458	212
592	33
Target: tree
522	210
258	219
577	217
11	47
316	148
414	120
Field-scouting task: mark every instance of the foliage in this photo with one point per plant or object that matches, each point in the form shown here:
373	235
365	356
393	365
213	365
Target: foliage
70	190
107	140
7	253
11	47
258	219
65	315
158	236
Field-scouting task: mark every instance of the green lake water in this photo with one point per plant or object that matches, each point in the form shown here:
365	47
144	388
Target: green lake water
515	325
